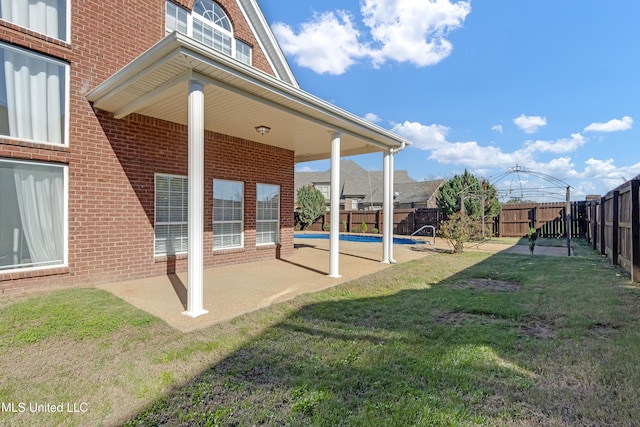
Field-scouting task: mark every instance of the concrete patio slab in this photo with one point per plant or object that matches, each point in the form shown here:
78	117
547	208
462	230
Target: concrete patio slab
236	289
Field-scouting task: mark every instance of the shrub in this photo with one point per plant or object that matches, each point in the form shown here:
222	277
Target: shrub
344	225
533	236
459	229
363	227
326	226
374	230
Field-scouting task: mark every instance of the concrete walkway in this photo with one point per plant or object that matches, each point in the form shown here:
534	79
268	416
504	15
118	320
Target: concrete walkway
230	291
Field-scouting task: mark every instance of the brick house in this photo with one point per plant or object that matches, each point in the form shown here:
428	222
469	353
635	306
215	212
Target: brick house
142	138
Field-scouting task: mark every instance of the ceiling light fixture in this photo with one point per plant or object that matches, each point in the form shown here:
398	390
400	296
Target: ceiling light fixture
262	129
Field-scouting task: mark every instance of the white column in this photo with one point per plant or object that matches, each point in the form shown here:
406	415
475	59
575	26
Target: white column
334	233
195	270
386	161
391	197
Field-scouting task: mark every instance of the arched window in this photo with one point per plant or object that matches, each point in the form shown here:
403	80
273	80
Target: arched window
209	24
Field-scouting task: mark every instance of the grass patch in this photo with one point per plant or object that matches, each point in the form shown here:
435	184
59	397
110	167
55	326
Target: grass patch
470	339
75	314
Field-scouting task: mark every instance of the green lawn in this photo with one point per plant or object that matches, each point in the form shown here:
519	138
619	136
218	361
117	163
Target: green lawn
470	339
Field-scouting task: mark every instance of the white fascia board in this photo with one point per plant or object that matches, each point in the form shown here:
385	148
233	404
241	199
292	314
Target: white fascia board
264	35
176	45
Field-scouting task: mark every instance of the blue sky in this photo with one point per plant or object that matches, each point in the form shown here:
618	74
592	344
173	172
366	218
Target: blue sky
549	85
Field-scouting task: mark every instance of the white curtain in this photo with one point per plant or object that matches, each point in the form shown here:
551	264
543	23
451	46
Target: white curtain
33	96
40	201
42	16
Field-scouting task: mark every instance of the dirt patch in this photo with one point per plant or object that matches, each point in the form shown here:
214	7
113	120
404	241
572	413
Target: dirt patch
537	329
489	285
455	318
602	330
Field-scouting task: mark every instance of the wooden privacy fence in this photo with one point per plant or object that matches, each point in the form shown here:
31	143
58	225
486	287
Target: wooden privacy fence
405	221
548	219
614	226
514	220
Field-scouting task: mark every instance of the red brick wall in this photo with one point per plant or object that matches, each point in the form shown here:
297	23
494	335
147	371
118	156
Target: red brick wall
112	162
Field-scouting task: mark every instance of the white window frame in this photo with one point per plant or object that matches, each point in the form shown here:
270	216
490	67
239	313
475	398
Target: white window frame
260	241
156	222
324	188
65	256
67	12
240	54
66	92
240	221
177	11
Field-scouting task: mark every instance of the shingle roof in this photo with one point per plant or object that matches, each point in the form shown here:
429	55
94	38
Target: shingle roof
356	182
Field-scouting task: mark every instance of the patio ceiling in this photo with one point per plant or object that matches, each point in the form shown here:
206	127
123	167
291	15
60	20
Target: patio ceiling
237	99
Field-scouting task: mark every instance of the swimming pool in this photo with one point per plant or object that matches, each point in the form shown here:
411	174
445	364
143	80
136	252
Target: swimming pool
359	238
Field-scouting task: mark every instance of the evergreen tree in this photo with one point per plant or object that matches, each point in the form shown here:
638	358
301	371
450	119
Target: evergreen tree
472	190
310	206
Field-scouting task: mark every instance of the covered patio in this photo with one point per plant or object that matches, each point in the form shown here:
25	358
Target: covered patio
182	81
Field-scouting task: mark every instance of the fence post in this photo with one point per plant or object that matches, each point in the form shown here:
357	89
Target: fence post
635	231
616	224
603	240
594	225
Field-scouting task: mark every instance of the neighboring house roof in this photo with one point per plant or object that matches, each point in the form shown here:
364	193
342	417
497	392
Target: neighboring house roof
424	192
367	186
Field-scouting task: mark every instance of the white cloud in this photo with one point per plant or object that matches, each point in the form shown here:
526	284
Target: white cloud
606	172
530	124
326	44
424	137
497	128
593	177
434	138
471	154
613	125
305	169
412	31
397	30
563	145
372	117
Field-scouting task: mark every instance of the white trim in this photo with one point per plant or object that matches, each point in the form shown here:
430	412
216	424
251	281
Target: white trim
65	184
271	39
